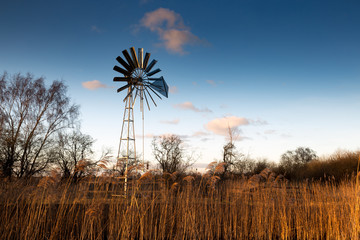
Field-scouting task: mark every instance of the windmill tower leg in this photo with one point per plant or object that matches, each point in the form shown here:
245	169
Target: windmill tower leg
127	147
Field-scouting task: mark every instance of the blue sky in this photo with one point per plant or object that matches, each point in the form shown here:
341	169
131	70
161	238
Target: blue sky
285	73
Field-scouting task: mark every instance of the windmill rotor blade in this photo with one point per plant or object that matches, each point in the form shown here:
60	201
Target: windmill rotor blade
134	57
147	103
154	92
136	93
156	79
140	57
121	79
121	70
128	58
132	89
160	86
123	87
151	97
151	65
146	60
154	72
123	63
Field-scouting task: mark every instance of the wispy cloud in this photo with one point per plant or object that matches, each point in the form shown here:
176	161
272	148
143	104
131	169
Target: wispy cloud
285	135
220	126
270	132
95	28
94	84
173	89
258	122
200	134
175	121
170	28
211	82
190	106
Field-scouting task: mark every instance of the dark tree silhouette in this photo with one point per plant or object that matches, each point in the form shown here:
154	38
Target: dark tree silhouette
30	114
169	153
293	161
71	153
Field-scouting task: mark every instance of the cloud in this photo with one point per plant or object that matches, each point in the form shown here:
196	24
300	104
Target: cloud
258	122
269	132
220	126
94	84
173	89
95	28
211	82
170	28
200	134
175	121
285	135
190	106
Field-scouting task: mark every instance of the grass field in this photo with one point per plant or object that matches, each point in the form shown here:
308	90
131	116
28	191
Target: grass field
189	207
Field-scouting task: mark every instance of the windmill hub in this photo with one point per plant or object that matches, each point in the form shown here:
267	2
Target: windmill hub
138	73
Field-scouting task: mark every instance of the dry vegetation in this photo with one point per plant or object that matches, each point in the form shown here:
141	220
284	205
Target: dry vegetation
301	197
170	206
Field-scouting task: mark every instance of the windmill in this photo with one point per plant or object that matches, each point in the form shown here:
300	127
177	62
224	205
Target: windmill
140	83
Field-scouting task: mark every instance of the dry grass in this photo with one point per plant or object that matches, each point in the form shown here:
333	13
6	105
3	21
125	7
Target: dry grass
189	208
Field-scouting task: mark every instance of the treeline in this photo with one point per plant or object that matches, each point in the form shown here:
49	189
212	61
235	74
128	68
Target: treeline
40	131
341	165
295	165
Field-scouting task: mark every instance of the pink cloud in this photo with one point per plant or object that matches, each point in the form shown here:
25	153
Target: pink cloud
190	106
160	17
173	89
170	28
220	126
211	82
94	84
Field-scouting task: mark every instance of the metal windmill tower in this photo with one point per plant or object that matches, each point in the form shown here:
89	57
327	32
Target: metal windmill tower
137	75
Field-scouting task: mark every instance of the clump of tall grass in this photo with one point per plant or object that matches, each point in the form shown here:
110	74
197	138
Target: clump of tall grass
339	165
172	207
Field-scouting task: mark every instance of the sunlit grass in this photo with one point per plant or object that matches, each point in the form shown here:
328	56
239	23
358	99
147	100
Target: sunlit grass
194	207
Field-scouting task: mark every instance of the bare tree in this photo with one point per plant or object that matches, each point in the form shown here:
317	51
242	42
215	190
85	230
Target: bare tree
293	161
71	152
230	157
170	154
30	114
298	157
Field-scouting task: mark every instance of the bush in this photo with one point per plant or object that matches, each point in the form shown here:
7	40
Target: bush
339	165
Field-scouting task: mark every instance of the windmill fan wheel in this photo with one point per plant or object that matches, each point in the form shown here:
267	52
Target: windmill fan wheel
138	74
